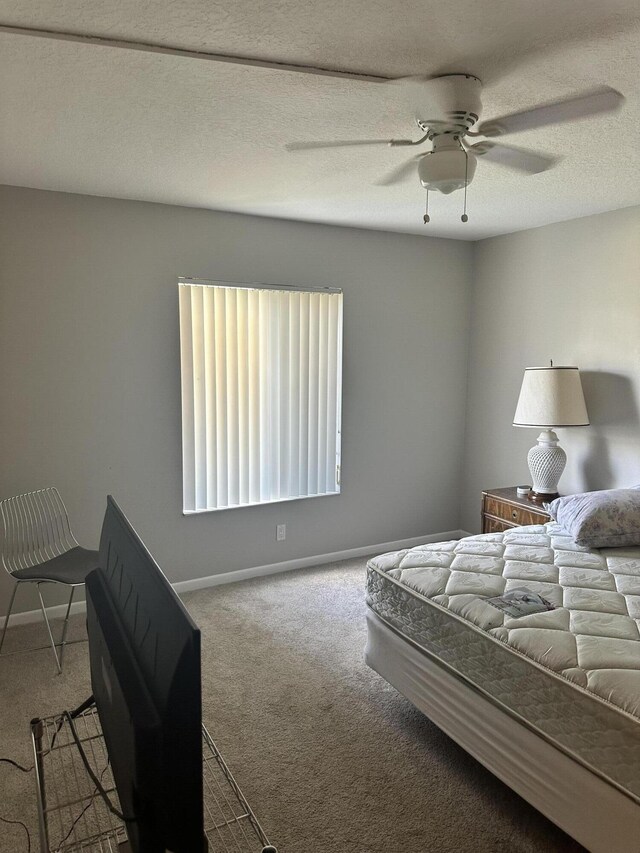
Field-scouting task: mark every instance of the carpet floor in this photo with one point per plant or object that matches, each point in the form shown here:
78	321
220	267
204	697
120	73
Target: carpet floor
330	756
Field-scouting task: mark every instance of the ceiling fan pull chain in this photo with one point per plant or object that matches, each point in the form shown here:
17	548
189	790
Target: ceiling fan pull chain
464	216
426	218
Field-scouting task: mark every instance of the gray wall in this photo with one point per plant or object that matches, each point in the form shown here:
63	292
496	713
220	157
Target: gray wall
90	378
570	292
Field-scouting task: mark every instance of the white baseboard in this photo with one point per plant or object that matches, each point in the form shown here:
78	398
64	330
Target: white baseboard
28	616
305	562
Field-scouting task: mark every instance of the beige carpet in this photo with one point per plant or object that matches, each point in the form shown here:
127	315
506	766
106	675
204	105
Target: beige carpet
331	758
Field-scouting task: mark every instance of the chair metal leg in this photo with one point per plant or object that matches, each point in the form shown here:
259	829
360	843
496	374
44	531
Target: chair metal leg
46	619
66	625
6	619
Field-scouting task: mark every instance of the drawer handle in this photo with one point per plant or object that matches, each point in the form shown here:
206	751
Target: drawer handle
514	514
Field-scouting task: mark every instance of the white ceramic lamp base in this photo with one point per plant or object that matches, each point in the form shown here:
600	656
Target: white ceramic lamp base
546	463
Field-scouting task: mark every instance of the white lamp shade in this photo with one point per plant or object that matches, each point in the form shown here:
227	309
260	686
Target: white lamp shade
551	397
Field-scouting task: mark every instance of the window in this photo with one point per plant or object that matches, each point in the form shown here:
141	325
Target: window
261	393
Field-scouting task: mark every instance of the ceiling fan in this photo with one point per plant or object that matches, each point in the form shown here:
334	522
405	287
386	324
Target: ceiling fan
447	110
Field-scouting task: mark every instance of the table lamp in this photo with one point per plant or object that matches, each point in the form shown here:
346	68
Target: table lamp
550	397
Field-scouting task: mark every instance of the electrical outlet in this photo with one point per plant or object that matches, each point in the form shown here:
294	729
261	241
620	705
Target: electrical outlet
281	532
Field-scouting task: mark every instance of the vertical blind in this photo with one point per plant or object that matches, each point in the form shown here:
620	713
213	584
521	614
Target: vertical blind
261	394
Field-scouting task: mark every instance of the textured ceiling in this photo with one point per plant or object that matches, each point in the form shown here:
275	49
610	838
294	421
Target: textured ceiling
108	121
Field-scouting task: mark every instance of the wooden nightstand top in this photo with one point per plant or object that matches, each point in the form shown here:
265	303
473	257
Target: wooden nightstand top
508	494
503	509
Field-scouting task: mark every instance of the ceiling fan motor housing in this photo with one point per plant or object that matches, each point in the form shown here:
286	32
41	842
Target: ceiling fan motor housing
451	103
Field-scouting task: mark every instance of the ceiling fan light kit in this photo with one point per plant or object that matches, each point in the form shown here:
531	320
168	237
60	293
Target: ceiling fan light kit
448	167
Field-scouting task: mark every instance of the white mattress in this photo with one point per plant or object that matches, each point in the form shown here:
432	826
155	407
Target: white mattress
571	674
594	812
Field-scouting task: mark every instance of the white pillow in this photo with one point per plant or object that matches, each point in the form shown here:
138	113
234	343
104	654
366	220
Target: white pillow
604	519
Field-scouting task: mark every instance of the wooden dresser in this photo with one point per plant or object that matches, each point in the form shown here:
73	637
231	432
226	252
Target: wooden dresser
503	509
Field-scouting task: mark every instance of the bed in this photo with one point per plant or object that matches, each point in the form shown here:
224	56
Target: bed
549	702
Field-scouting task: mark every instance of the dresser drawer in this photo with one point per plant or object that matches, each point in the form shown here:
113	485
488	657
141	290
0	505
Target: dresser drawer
494	525
513	515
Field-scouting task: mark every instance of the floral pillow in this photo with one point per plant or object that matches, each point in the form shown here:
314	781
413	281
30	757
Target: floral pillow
606	519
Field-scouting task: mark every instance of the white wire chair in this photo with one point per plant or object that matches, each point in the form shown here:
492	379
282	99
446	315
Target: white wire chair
39	547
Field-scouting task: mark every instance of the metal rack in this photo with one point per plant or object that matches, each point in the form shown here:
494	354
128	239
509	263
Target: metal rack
73	816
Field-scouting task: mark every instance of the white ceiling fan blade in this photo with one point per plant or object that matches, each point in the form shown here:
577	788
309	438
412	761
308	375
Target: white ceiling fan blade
516	158
343	143
569	109
400	173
